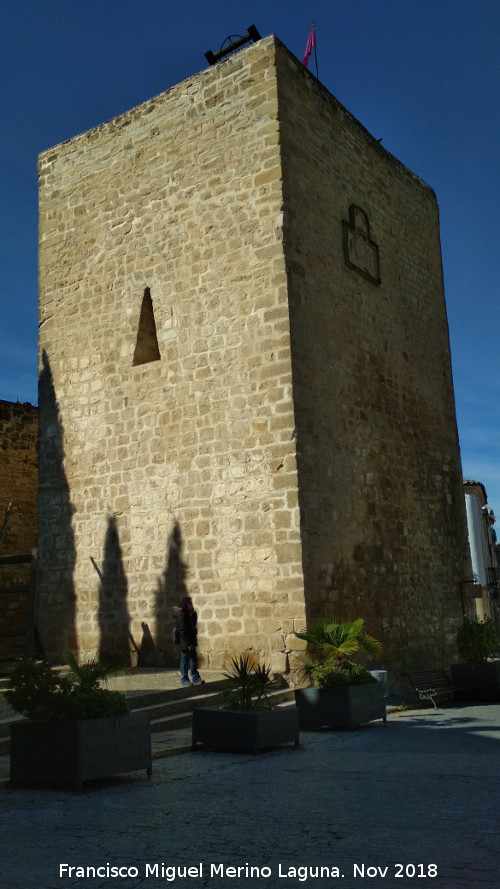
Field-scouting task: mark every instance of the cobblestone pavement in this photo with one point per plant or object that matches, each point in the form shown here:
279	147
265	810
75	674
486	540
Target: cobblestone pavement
414	802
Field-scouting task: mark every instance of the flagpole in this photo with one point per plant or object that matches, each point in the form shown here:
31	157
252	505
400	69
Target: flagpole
315	53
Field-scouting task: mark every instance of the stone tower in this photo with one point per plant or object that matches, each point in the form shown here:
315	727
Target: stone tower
245	384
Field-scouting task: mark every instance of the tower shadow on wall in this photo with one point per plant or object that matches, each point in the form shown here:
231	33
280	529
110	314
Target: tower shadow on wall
113	616
56	541
170	590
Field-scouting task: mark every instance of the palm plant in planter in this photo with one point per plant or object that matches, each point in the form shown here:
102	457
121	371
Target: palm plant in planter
247	720
478	676
75	730
342	694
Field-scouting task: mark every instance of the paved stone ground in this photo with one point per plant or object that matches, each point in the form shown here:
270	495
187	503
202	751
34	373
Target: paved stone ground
135	680
419	796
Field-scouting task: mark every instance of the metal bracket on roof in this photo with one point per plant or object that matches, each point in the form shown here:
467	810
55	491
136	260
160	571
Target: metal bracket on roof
235	41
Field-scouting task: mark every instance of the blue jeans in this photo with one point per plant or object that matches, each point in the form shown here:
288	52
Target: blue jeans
189	662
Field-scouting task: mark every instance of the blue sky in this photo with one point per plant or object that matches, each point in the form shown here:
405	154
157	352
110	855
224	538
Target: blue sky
422	75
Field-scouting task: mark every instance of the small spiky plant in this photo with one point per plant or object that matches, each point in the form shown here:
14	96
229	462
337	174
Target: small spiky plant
87	675
248	685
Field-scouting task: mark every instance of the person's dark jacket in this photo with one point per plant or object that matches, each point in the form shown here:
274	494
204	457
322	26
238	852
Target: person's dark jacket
186	624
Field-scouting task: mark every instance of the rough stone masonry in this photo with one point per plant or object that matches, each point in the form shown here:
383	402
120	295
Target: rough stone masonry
245	384
18	518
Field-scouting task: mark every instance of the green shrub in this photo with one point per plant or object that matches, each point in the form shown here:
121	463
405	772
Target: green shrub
40	693
323	675
477	640
248	685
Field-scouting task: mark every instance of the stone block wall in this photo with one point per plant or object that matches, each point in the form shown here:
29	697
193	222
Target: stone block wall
382	516
245	387
18	487
175	474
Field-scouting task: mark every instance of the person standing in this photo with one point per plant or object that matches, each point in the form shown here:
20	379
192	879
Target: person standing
187	620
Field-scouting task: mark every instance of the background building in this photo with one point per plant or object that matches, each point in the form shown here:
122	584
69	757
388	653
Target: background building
483	551
18	522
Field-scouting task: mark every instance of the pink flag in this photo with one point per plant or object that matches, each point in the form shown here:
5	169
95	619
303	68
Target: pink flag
311	41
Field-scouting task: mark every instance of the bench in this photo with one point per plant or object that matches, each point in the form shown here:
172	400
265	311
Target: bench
432	684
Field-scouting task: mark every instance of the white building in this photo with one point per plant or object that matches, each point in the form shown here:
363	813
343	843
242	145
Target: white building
483	550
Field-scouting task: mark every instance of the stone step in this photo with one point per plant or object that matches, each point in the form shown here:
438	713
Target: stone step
171	709
5	732
184	720
143	699
163	721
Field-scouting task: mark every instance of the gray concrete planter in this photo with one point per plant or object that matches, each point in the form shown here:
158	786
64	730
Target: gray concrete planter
78	750
252	730
343	707
477	682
